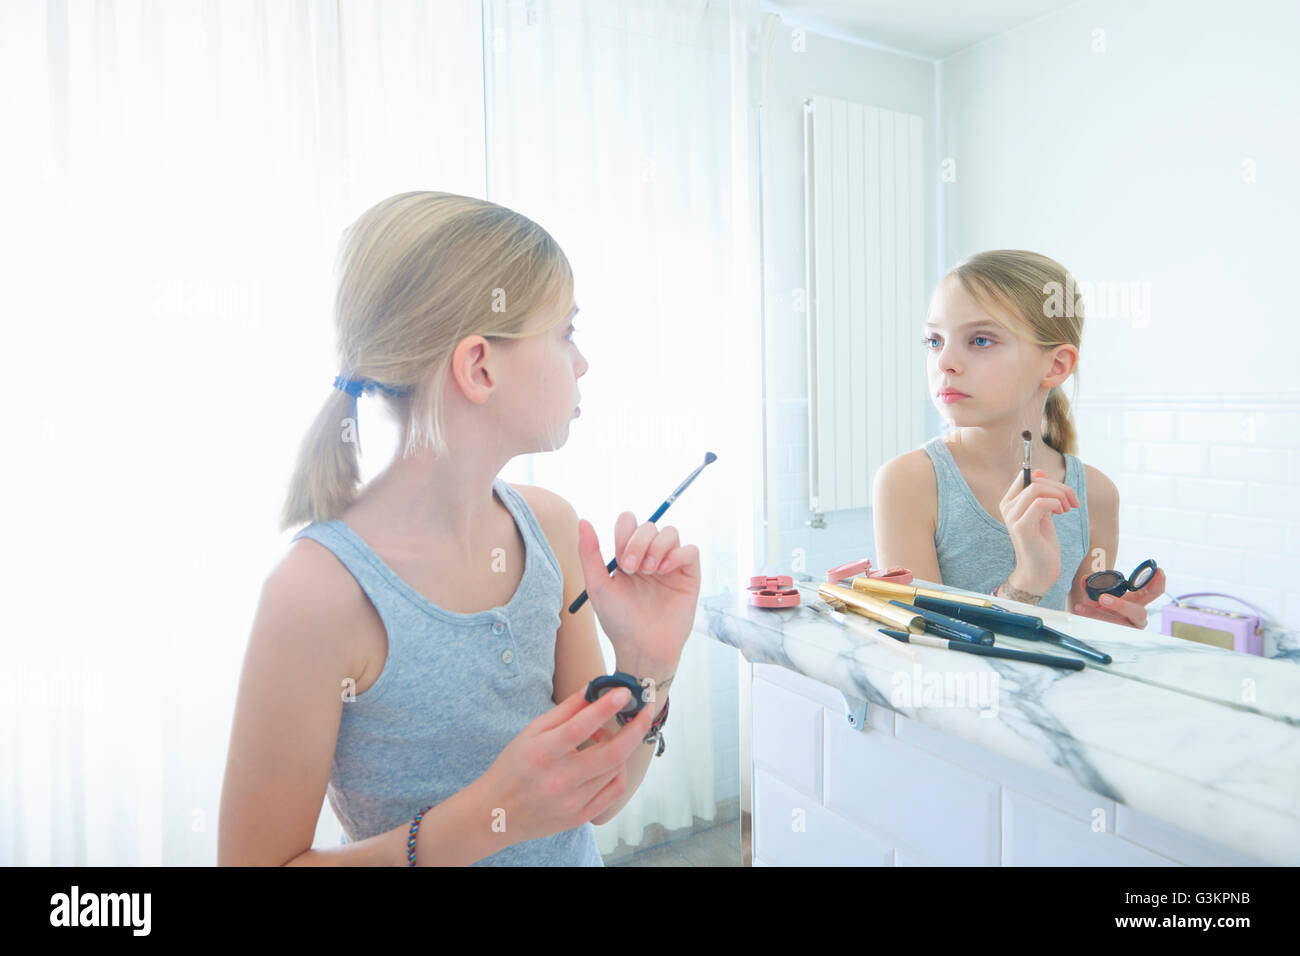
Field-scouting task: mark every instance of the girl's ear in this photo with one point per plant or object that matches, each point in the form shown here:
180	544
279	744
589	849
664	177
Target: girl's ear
1064	360
469	371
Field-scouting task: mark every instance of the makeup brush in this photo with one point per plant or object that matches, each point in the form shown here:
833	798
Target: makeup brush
1024	458
709	458
984	650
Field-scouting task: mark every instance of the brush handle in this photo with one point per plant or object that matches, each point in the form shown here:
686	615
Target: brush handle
581	599
983	650
1029	657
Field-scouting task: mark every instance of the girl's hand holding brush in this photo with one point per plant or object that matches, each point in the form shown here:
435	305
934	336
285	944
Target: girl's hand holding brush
648	606
1027	513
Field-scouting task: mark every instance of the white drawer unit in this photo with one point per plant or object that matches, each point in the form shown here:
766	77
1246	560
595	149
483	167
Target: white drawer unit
900	793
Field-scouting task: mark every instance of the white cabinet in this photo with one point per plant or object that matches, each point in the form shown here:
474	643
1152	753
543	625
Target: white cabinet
899	793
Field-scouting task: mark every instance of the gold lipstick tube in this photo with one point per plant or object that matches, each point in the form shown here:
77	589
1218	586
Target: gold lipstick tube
890	590
874	608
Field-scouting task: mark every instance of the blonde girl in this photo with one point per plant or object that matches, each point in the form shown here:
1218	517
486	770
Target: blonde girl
412	657
1001	336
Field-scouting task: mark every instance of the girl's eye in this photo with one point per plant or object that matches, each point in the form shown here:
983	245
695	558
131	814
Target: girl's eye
927	339
569	337
977	339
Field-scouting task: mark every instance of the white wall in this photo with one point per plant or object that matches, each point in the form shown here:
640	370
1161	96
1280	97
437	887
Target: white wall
864	75
1132	164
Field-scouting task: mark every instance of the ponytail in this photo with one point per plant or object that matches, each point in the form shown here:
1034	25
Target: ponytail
417	273
1058	423
325	476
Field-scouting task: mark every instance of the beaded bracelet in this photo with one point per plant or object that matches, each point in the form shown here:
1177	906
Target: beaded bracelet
410	843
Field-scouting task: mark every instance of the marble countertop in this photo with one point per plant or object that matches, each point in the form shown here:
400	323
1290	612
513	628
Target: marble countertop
1204	738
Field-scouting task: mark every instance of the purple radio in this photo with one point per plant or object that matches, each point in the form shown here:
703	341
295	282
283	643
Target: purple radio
1210	625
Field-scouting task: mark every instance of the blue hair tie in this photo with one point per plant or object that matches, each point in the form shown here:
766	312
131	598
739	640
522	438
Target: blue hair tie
356	386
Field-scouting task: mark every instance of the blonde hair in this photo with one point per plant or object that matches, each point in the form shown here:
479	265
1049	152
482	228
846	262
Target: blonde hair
417	273
1035	298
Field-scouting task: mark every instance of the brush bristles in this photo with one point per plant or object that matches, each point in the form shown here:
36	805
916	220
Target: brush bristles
710	458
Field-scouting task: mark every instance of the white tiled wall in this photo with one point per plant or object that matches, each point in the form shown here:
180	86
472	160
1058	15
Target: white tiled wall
1210	489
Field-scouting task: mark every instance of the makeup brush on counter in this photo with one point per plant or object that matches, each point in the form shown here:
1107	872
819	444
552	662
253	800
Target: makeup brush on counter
987	650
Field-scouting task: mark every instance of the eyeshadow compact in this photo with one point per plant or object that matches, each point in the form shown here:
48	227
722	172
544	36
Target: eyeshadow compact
1115	584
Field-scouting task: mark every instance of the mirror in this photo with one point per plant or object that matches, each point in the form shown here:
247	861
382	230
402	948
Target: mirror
1147	150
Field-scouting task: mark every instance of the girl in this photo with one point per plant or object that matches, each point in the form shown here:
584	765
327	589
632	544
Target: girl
413	655
999	342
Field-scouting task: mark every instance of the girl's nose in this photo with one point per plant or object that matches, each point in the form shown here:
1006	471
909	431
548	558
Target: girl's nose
947	359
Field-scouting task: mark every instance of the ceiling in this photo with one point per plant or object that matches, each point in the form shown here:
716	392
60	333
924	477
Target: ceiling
933	29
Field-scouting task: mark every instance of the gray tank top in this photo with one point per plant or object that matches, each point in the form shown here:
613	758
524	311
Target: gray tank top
454	690
974	548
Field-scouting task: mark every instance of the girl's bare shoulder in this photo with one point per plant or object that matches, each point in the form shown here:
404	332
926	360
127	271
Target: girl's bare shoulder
310	592
1103	496
908	477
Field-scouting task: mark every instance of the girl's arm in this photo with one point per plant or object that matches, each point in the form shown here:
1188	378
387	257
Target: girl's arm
578	658
904	509
286	724
1103	533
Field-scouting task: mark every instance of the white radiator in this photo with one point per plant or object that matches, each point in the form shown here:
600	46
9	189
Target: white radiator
865	264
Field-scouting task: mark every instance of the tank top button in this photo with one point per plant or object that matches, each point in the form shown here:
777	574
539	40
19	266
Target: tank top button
507	656
498	627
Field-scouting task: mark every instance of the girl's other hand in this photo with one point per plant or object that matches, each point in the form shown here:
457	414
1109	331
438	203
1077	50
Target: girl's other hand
546	781
1129	610
1027	512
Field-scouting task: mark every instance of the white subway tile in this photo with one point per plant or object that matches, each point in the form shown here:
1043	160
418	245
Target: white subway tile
1132	456
1173	524
1254	464
800	487
1293	538
1277	429
1170	459
1065	795
814	691
1252	533
1144	489
786	736
1227	428
1223	497
1289	615
1148	426
792	830
1206	561
1174	842
1034	834
1271	571
910	798
1273	501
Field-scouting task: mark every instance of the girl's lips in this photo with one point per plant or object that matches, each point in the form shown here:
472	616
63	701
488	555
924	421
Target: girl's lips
949	397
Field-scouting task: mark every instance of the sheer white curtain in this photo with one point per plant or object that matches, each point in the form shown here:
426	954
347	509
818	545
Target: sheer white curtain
609	123
174	178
